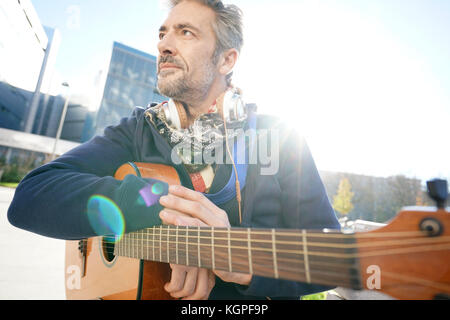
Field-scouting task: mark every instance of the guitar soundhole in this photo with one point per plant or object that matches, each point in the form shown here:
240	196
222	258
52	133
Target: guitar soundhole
108	244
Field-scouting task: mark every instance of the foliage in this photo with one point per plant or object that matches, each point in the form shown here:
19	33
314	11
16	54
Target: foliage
377	199
9	184
316	296
342	201
13	173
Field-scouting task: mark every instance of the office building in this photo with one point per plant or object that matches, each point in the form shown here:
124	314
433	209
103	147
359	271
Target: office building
131	82
23	42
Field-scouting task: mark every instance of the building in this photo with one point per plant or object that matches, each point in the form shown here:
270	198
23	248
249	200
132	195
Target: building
27	57
23	41
130	82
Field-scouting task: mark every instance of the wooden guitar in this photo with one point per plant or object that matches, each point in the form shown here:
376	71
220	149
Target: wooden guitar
407	259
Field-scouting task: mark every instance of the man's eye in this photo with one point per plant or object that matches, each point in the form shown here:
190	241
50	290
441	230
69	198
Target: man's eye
187	33
161	36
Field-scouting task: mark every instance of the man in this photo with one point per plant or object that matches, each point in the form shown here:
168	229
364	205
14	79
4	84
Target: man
199	45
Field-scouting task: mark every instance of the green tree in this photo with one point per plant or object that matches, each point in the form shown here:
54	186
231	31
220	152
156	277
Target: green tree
342	201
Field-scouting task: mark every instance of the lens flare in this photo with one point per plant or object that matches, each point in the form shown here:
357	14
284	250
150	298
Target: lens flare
151	193
105	217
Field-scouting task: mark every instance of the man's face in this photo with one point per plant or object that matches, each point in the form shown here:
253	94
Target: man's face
187	44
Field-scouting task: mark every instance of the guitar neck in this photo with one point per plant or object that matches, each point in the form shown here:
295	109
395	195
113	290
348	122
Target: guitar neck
298	255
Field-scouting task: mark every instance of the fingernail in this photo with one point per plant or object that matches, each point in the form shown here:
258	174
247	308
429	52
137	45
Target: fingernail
164	199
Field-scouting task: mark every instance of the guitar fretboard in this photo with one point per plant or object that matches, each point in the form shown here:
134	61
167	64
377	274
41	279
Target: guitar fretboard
298	255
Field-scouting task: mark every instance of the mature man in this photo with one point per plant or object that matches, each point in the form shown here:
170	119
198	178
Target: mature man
200	42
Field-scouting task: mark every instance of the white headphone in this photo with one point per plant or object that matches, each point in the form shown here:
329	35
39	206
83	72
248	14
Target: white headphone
230	105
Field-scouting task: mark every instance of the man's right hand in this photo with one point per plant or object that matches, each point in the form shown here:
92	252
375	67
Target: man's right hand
190	283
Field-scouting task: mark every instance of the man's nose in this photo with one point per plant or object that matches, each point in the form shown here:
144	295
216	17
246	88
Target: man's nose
167	45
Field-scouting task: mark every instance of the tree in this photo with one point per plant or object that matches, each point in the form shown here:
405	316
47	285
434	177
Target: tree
342	201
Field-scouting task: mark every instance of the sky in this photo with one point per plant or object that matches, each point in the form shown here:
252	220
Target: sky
367	83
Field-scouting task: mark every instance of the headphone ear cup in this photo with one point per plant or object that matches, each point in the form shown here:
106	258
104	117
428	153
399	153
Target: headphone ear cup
232	105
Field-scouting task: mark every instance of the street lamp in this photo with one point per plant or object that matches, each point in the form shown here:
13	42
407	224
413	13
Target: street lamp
61	121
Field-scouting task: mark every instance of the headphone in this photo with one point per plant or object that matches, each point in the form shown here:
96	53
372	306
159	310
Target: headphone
229	105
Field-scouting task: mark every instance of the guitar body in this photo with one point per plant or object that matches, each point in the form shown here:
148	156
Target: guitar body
95	273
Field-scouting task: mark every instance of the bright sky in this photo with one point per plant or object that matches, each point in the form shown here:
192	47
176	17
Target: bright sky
366	82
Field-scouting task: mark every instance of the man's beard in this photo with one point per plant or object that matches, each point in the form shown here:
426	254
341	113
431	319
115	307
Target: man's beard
184	88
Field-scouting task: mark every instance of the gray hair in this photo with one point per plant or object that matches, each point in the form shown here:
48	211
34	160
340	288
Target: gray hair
227	27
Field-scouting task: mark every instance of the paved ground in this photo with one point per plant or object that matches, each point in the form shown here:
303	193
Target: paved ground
31	266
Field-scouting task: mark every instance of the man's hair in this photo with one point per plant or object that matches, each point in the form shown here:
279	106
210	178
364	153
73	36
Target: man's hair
227	27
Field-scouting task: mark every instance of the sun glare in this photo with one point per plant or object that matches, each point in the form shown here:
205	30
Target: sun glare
364	100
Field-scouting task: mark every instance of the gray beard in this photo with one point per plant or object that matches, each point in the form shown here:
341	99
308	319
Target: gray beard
187	90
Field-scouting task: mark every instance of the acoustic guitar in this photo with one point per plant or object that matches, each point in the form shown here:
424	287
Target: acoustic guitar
406	259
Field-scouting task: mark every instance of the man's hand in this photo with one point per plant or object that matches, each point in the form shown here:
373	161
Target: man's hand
185	207
190	283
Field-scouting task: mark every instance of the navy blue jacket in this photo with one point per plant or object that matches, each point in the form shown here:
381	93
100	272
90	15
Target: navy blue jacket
52	200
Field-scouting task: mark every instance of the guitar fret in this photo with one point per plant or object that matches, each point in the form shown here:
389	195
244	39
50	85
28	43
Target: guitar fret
249	245
230	266
176	243
198	239
274	249
160	244
133	248
168	229
153	243
187	246
148	247
212	249
305	255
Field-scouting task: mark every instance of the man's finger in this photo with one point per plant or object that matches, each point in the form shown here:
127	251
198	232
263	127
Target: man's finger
176	218
202	289
189	284
192	208
192	195
177	279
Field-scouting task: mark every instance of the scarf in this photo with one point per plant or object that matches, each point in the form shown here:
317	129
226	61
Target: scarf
206	136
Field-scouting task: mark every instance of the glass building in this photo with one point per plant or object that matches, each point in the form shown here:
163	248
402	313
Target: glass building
131	82
23	42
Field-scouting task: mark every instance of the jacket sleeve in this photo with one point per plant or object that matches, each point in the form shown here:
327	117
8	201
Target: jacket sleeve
304	205
76	196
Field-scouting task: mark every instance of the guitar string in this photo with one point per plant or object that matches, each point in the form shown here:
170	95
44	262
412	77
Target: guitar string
298	242
269	260
324	254
340	276
423	240
414	279
288	232
280	258
288	268
324	244
296	232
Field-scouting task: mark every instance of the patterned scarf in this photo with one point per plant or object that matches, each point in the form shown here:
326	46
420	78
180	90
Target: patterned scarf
205	136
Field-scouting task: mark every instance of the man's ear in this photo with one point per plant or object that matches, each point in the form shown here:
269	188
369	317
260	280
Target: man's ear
228	61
